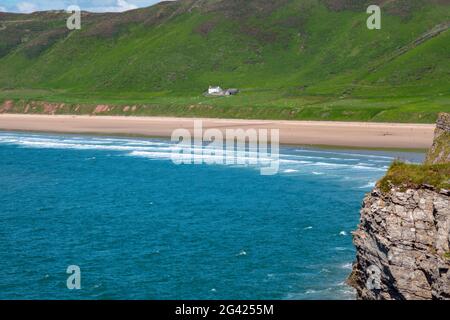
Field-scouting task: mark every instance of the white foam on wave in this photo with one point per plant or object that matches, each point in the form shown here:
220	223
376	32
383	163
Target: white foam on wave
332	166
160	155
370	184
217	156
75	140
359	167
83	146
323	158
207	159
346	154
347	266
310	291
170	151
379	161
341	249
242	253
20	138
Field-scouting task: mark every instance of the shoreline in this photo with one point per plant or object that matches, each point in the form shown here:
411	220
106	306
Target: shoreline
361	135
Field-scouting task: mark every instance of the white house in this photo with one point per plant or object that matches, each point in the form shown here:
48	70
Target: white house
215	90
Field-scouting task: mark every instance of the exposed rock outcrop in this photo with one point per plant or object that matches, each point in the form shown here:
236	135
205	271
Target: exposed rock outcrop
7	106
403	239
53	108
440	150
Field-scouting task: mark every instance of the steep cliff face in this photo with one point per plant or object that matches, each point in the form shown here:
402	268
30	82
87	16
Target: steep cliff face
403	239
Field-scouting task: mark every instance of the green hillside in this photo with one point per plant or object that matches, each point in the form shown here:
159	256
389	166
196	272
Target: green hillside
292	59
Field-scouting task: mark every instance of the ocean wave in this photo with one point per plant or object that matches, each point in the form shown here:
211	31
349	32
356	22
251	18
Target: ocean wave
342	249
347	154
357	167
370	184
80	146
290	171
209	155
318	157
77	140
347	266
192	157
331	165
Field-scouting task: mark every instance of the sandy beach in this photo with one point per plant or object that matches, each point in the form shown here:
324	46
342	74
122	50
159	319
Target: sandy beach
345	134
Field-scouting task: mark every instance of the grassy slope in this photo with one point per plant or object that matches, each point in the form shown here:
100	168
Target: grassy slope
298	59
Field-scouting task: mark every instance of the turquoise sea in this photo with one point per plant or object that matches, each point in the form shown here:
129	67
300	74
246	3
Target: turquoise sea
141	227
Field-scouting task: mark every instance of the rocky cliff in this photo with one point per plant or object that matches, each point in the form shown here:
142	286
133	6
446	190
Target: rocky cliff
440	150
403	239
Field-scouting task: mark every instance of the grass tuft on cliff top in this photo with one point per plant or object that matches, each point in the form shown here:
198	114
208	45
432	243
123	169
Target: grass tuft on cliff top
407	176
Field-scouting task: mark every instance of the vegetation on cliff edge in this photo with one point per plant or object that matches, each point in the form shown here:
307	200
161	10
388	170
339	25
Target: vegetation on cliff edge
440	149
414	176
